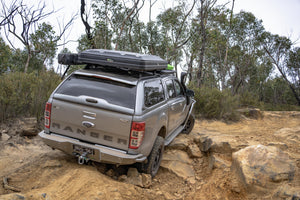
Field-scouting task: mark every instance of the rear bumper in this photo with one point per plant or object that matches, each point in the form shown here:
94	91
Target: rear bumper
101	153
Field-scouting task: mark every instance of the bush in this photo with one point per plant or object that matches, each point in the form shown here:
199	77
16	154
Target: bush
215	104
248	99
278	107
25	94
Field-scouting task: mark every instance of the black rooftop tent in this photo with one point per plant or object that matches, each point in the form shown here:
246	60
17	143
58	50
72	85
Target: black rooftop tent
117	59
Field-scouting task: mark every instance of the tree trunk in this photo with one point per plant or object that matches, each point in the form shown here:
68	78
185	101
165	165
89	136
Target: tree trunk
124	22
190	67
297	97
203	45
86	24
28	60
295	93
227	47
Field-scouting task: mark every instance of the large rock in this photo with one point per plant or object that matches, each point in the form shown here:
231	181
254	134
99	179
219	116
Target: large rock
194	151
135	178
215	145
29	126
220	143
215	161
289	134
253	113
288	192
181	142
295	114
261	167
178	162
4	137
177	155
146	180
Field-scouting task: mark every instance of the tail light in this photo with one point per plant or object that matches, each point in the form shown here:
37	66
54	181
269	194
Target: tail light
48	115
137	134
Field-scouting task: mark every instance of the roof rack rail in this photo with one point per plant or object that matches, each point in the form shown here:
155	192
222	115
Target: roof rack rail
129	71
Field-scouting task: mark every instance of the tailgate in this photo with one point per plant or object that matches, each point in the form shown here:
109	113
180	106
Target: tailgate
94	111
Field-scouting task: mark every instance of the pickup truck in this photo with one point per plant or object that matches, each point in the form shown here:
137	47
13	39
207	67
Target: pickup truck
121	109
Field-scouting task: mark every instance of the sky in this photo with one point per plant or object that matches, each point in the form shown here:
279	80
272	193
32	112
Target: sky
278	16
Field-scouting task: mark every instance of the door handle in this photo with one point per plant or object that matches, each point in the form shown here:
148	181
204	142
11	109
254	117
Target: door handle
91	100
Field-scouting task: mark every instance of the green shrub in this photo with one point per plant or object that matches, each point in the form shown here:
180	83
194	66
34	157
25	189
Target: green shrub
278	107
215	104
248	99
25	94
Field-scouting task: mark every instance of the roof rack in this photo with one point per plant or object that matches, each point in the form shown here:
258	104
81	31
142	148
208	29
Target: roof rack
135	73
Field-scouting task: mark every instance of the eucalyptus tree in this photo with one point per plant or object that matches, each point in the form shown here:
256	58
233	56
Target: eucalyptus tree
4	56
293	64
204	10
18	12
44	43
117	23
228	50
174	28
214	58
235	51
246	54
285	59
84	18
20	20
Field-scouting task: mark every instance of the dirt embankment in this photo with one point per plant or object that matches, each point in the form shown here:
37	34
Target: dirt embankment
31	170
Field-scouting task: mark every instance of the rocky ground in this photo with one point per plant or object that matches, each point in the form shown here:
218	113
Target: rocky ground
251	159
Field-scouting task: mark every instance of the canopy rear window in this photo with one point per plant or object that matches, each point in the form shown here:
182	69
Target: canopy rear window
113	92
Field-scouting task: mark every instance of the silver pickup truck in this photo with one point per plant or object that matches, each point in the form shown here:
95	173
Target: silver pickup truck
117	115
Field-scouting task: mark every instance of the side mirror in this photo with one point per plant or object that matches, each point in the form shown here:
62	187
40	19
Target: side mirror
190	93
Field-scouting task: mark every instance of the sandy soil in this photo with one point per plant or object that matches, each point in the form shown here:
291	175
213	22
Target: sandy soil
35	171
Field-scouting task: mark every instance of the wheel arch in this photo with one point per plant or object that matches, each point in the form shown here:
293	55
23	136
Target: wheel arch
162	132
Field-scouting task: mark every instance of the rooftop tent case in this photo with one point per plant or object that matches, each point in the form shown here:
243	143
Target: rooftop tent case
122	59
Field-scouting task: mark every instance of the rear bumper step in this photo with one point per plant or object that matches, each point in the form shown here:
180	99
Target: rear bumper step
100	153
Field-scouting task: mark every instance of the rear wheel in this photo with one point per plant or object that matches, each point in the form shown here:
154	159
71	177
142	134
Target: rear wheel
155	157
189	124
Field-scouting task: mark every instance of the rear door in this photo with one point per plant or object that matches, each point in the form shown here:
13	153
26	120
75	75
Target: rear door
181	102
176	104
94	109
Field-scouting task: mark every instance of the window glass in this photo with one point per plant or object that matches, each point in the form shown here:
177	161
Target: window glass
154	93
170	89
178	88
109	90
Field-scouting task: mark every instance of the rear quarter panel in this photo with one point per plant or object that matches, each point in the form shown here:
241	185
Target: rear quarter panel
155	118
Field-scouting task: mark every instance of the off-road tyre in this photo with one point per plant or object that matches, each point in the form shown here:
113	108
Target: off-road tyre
189	125
154	159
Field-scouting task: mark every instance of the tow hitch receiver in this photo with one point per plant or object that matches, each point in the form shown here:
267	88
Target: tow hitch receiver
82	153
82	158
